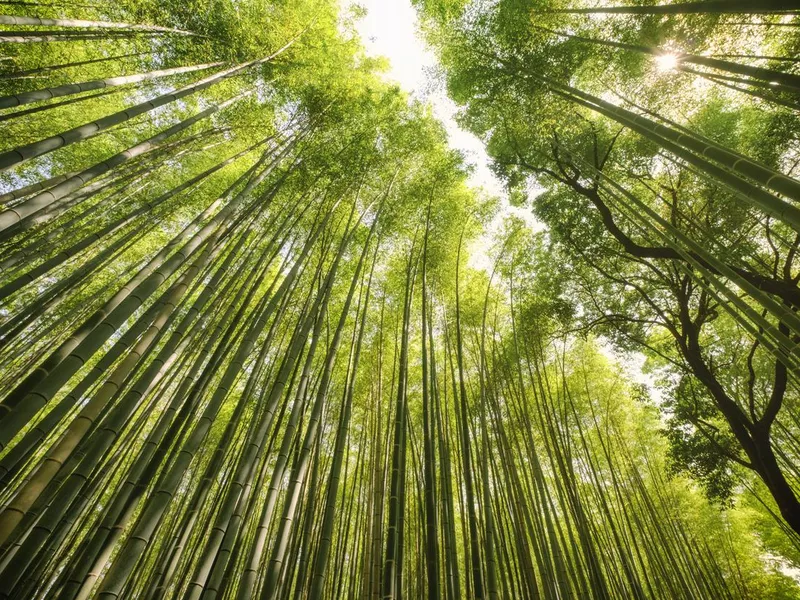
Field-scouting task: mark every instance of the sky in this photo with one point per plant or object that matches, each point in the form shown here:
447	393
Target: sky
390	30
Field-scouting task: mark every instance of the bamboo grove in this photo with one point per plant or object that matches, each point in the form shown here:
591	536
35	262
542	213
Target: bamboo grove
259	338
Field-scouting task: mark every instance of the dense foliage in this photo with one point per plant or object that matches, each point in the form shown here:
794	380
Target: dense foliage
243	352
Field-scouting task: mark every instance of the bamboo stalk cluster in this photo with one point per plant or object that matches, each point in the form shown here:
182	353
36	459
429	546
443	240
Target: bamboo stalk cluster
242	353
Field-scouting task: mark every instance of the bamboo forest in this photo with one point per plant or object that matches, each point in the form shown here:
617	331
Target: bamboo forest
265	331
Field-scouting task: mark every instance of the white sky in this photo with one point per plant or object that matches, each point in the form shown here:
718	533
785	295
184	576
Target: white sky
390	30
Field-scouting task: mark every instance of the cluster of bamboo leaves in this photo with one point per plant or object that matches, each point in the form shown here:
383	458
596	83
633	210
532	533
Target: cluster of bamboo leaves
243	352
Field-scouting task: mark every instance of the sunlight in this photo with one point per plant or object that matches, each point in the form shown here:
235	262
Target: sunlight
666	62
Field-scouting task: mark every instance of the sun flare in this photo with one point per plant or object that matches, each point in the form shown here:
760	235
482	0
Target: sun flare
666	62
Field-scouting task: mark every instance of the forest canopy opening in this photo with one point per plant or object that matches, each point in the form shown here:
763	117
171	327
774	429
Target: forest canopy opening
269	329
